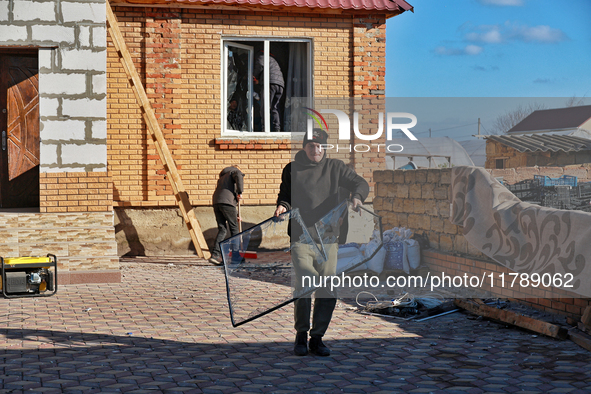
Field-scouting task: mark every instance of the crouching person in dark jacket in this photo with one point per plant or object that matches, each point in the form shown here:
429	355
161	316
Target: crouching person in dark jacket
227	194
311	183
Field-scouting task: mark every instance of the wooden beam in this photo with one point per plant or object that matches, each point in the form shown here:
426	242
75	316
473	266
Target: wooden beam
580	338
172	174
513	318
586	318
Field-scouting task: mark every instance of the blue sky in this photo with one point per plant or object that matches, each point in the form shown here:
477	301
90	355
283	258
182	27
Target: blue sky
490	48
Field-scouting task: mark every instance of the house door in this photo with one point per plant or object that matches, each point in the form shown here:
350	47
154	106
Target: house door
19	127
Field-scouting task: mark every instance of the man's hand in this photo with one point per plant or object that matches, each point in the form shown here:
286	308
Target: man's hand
280	209
239	197
355	204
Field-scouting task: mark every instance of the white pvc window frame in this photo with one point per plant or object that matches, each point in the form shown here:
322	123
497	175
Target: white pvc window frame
233	40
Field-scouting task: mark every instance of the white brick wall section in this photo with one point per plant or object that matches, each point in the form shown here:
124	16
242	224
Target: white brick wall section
74	59
61	169
53	83
45	58
78	12
63	130
99	37
13	33
99	129
99	84
84	154
4	11
48	154
84	36
85	108
48	106
58	34
30	11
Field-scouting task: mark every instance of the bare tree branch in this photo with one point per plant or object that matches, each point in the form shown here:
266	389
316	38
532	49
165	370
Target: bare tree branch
504	123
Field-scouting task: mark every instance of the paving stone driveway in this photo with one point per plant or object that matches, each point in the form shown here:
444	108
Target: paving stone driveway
167	329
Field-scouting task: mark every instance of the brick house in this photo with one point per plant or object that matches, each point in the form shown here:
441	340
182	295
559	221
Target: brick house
514	151
195	59
78	172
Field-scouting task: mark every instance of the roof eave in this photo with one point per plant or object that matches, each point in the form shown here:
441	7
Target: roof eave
216	5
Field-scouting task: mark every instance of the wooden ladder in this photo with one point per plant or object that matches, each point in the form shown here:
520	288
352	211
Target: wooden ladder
172	174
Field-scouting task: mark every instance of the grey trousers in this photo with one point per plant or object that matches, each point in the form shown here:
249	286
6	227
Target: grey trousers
305	264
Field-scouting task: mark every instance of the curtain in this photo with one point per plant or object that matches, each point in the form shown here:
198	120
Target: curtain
296	87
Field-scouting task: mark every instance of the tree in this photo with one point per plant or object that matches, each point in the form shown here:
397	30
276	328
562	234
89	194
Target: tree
575	101
504	123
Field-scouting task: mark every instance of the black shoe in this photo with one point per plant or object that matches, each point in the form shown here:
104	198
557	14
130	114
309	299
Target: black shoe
215	260
301	344
318	348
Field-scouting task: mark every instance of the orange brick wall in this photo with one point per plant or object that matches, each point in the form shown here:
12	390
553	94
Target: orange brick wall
549	299
75	192
177	53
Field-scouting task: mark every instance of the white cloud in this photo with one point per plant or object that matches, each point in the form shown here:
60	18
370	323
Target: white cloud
490	35
542	34
511	3
470	50
484	68
544	80
496	34
473	50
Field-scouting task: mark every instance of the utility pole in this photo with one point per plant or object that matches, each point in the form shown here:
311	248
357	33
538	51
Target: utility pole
478	135
429	133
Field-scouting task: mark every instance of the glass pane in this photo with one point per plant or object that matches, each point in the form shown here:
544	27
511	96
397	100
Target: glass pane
258	266
261	263
297	84
238	89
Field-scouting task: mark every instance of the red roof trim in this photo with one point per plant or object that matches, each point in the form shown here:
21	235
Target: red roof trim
361	5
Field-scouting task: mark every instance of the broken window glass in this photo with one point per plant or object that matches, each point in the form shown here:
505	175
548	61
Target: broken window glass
260	275
258	266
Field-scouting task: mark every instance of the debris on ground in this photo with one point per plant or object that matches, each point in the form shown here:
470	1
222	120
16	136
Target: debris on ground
580	333
405	307
479	308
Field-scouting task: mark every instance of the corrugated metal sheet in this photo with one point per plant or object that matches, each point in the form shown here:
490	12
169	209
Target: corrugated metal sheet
553	119
542	142
367	5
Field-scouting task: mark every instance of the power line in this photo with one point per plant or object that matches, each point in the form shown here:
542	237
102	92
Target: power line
448	128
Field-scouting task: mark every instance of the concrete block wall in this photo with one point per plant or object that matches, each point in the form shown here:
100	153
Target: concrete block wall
420	200
75	219
71	37
514	175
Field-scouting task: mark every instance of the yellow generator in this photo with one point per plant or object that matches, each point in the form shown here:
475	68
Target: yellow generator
28	276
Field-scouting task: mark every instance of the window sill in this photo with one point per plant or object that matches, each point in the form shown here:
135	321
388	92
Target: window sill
250	143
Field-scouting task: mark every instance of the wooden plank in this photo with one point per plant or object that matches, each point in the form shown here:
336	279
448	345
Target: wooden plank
172	174
513	318
586	318
580	338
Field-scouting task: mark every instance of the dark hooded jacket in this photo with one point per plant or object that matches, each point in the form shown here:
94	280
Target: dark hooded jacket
317	188
275	73
230	184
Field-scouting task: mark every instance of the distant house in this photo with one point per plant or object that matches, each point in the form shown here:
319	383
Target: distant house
574	121
512	151
549	137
